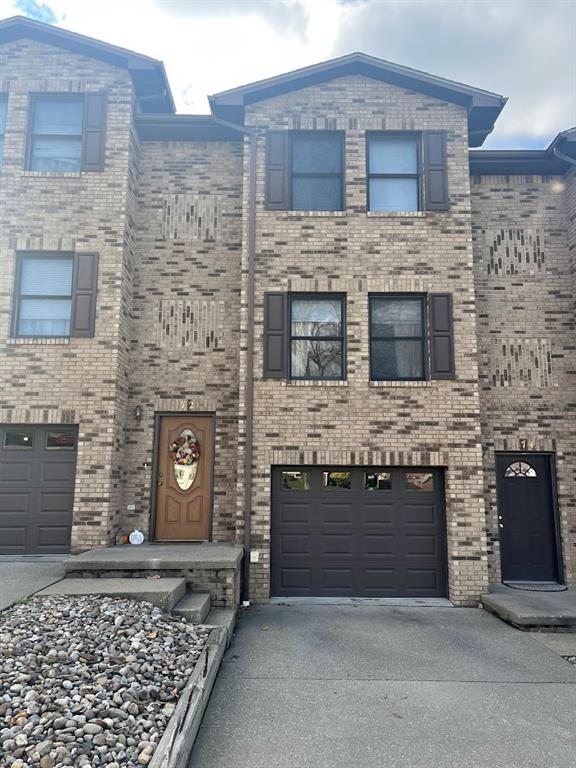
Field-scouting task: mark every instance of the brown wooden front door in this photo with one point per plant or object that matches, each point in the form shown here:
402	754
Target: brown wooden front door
183	513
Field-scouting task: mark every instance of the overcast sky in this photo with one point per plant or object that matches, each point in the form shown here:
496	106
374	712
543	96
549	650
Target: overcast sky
523	49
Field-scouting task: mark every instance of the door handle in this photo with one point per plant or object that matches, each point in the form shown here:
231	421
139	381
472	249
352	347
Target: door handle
160	482
500	525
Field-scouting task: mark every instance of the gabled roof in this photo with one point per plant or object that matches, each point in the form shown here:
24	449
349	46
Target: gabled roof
148	75
483	106
530	162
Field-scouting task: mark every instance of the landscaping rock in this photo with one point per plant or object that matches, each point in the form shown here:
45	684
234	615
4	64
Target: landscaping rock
90	681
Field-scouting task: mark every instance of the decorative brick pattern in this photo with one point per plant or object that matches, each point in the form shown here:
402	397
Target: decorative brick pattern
521	362
513	252
183	324
192	217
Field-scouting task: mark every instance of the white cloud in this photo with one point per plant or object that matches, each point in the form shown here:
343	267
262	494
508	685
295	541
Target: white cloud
524	49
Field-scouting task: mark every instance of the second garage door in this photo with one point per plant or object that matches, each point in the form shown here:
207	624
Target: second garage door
37	468
358	532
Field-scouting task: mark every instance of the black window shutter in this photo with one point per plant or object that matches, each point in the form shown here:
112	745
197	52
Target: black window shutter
277	171
441	323
94	144
275	335
435	171
84	294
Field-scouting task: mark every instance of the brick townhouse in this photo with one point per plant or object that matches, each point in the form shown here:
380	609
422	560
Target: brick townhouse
356	327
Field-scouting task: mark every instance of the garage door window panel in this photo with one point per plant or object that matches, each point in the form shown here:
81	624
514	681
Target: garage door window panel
378	481
18	440
60	441
337	479
295	481
316	337
420	481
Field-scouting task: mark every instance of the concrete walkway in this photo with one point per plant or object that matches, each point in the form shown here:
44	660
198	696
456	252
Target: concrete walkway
340	687
22	579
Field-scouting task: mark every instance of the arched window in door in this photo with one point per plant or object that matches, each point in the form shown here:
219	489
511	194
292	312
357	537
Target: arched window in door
520	469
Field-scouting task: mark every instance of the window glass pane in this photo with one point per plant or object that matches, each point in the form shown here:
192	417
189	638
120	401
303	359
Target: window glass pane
316	317
520	469
16	438
397	360
393	154
296	481
60	440
316	359
46	277
396	317
337	479
3	107
58	117
61	155
311	154
393	195
377	481
1	148
312	194
419	481
44	317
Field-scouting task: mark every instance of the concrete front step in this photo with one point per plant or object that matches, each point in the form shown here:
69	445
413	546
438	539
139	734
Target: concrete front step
193	607
555	611
164	593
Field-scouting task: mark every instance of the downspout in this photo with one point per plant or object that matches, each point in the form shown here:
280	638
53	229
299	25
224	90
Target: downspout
250	300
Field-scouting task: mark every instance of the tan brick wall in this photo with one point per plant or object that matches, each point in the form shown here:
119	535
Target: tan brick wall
524	286
186	311
80	381
354	422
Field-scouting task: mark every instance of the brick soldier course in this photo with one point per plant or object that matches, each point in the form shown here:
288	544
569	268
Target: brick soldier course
169	215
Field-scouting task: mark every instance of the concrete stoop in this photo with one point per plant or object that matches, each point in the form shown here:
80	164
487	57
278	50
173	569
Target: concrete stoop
533	610
164	593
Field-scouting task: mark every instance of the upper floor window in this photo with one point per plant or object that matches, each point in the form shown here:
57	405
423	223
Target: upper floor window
3	109
55	294
304	171
56	134
317	178
393	173
397	337
316	336
67	133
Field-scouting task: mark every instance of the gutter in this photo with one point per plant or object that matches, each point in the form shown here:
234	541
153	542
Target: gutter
562	156
248	448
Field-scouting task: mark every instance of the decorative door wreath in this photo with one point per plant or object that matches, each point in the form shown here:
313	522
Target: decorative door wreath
185	453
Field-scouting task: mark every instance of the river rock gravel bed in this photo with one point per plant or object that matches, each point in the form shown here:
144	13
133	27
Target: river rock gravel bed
90	681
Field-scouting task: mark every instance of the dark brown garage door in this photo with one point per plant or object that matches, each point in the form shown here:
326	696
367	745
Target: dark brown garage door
358	532
37	467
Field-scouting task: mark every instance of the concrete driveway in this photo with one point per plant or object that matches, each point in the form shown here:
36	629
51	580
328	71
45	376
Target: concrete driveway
322	686
22	579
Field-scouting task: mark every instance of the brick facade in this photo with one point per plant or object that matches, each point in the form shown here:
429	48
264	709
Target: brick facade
169	220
